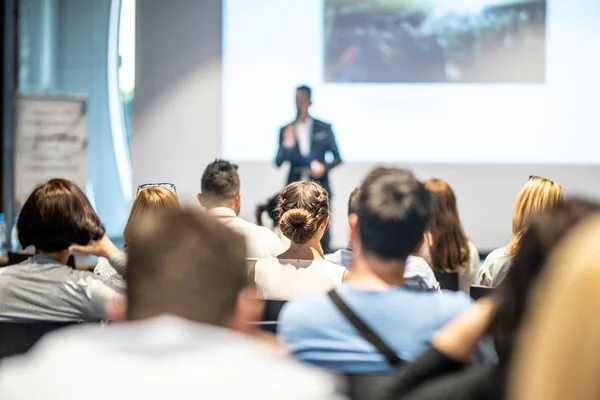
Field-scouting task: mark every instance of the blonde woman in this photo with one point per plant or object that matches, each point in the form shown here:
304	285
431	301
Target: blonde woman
150	199
558	351
537	196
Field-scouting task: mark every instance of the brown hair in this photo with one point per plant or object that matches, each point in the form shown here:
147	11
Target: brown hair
151	199
353	201
538	195
302	208
184	263
57	215
449	245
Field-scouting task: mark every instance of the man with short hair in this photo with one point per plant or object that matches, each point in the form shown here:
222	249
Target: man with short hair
393	211
187	293
417	273
221	197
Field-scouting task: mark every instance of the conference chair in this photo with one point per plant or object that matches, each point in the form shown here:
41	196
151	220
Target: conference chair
477	292
19	257
18	338
271	315
447	280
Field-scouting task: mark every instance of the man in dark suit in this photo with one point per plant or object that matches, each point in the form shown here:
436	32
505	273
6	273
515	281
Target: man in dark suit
305	143
310	147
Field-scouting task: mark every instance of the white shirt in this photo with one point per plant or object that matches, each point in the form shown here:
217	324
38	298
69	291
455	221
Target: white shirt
161	358
303	134
279	279
261	242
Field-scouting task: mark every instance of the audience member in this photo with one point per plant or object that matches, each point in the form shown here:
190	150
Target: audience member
303	214
43	288
221	198
538	195
557	354
446	247
417	272
442	372
148	201
344	256
187	291
393	211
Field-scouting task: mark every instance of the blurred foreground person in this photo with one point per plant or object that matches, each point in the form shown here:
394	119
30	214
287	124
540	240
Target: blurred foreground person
443	372
558	352
187	292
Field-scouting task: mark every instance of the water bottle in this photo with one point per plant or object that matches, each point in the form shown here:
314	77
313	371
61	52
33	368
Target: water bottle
3	236
14	237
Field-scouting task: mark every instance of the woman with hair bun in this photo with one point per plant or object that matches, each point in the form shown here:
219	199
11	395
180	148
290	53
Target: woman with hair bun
303	215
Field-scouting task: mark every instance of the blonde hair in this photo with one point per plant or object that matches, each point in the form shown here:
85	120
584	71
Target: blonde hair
538	195
151	199
558	351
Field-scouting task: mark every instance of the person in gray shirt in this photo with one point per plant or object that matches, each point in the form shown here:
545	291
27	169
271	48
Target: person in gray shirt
43	288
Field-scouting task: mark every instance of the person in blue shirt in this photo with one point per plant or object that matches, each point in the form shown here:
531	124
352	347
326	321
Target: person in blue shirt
393	212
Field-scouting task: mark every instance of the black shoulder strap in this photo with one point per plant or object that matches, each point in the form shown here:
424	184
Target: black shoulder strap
365	331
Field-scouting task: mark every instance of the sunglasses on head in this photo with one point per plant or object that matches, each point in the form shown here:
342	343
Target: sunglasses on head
168	186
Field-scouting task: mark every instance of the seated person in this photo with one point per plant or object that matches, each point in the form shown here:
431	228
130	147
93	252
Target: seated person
303	214
148	200
446	247
43	288
221	198
417	273
187	295
394	209
537	196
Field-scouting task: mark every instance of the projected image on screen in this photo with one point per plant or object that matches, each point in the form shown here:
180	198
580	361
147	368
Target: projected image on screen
437	41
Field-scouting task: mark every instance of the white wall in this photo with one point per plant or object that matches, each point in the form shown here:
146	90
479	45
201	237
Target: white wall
177	130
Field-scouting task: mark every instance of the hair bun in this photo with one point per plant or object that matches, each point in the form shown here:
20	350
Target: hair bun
298	225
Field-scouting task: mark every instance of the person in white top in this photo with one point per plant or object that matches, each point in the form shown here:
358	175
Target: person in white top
303	212
221	197
446	246
188	294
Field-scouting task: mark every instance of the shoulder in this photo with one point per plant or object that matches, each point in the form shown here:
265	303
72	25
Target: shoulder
321	124
303	312
497	255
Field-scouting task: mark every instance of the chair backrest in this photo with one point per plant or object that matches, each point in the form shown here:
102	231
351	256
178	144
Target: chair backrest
271	315
19	257
478	292
367	386
447	280
18	338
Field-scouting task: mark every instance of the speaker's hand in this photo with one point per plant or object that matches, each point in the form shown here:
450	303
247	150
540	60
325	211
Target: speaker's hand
317	169
289	136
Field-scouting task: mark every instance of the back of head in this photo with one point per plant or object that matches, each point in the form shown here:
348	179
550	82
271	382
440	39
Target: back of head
57	215
302	208
184	263
220	182
148	201
557	354
450	246
393	211
542	236
538	195
353	201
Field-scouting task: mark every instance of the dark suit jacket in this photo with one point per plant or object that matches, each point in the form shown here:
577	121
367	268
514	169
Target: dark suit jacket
322	142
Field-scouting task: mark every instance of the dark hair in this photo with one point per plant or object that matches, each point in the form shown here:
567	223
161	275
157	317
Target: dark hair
393	211
302	208
220	180
184	263
305	89
536	244
353	201
450	246
57	215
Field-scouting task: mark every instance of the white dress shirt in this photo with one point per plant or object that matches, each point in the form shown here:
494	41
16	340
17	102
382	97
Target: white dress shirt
261	242
303	134
160	358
